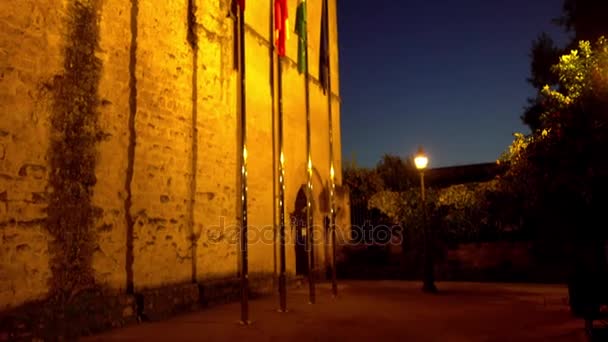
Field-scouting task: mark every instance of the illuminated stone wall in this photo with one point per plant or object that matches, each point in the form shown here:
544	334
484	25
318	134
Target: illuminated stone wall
30	57
165	134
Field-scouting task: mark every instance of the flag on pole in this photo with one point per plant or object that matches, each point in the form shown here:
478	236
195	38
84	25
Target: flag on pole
302	33
237	11
325	80
281	25
236	6
324	49
281	33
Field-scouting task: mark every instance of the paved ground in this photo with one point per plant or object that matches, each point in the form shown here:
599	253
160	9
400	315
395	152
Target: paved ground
381	310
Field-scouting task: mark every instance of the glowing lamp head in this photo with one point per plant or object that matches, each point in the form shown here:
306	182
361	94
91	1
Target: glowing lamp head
421	160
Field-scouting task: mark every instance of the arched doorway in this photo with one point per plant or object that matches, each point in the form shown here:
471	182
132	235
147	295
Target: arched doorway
299	223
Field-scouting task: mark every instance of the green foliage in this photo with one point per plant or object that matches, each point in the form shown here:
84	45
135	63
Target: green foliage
398	174
402	208
559	170
389	203
586	20
582	74
391	173
362	182
578	102
464	205
458	212
544	53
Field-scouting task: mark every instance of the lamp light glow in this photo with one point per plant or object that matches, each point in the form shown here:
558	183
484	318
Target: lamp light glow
421	160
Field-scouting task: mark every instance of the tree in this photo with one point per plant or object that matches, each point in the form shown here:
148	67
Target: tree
586	20
467	209
362	182
419	222
544	54
452	214
560	169
397	174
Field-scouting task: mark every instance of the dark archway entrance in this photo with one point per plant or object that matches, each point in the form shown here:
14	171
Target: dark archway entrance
299	223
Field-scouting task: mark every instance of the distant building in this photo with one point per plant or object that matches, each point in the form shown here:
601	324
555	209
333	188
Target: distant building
472	173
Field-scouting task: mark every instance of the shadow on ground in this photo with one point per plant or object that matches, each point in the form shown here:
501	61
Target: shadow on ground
600	334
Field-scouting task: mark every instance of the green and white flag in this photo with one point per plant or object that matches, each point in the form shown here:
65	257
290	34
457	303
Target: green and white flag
303	36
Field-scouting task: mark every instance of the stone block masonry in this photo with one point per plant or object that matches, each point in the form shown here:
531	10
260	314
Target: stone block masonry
119	163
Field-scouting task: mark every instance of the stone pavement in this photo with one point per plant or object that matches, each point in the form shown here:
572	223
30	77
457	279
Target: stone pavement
381	310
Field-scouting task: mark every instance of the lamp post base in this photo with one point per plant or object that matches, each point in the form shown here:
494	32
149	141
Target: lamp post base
429	288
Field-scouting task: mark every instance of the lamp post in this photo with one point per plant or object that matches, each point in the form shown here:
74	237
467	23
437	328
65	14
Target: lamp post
422	161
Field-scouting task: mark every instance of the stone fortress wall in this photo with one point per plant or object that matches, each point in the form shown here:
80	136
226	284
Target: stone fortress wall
118	144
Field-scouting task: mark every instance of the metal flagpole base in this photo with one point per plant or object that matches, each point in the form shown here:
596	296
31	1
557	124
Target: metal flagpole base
429	288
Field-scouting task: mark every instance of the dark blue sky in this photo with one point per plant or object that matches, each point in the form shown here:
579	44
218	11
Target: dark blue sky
449	75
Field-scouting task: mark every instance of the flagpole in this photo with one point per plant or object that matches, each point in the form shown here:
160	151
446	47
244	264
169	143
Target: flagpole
282	276
332	183
282	271
274	150
309	193
243	155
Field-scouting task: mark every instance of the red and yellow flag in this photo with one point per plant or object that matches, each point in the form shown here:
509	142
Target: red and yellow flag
281	25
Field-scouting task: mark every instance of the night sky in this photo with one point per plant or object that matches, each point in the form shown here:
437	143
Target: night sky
449	75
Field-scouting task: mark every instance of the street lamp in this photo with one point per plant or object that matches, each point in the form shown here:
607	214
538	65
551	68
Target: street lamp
422	161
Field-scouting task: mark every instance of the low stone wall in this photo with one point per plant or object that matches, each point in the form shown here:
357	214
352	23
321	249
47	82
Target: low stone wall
222	291
89	312
491	254
95	311
492	260
499	261
487	261
160	303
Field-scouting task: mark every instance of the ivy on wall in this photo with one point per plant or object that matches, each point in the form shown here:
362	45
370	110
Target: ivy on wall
72	155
